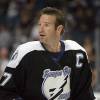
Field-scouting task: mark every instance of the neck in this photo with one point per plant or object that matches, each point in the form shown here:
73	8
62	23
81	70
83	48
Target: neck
53	47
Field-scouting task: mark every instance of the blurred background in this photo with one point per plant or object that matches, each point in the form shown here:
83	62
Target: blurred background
18	25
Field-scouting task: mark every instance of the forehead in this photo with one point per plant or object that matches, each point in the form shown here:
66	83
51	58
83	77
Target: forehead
47	18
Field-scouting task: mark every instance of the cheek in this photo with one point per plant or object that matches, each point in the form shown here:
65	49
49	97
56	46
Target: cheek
50	31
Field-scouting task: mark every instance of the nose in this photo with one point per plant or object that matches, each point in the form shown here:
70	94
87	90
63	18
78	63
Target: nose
40	28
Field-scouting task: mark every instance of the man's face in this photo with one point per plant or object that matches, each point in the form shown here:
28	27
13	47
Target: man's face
47	30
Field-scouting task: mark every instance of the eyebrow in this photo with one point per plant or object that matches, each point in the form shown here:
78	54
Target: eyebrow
46	23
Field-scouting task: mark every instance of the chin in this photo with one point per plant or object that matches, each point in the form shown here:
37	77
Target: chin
42	41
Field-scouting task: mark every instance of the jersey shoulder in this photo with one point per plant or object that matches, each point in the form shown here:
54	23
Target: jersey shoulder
30	46
22	50
72	45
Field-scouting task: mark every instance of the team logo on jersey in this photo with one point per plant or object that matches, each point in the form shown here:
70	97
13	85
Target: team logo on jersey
56	84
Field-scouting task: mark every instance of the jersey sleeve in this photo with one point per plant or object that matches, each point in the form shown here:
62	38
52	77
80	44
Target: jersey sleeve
9	82
82	83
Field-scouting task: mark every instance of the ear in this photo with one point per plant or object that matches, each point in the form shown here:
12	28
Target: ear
60	29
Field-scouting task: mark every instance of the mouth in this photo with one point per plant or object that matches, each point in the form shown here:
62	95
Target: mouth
41	35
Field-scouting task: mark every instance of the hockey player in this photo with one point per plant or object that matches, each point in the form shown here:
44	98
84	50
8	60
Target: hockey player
48	69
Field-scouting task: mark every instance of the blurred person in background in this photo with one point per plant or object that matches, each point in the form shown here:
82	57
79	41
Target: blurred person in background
4	54
5	36
23	27
83	13
3	10
12	16
88	45
84	24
